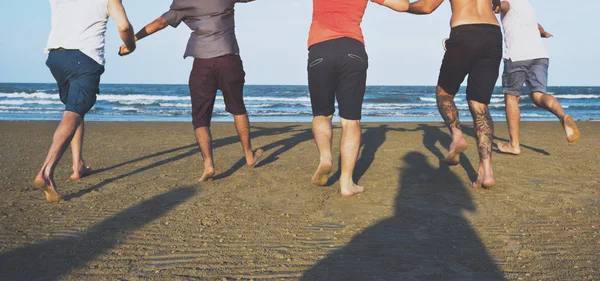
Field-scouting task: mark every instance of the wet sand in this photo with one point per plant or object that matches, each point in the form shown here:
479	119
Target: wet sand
143	216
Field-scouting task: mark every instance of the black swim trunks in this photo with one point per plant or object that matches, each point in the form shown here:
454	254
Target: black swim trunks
474	49
337	69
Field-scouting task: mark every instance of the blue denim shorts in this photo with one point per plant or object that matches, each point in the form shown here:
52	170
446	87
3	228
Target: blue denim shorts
78	79
533	73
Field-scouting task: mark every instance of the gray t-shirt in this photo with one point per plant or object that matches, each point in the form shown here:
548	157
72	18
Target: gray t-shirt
212	22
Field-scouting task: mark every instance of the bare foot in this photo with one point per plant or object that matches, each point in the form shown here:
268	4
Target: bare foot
483	180
453	157
352	189
47	186
508	148
254	158
81	173
207	176
322	174
571	130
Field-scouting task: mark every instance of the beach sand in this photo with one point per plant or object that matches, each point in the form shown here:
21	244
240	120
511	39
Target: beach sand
144	216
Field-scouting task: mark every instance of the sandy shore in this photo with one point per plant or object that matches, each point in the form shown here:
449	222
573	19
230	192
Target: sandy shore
143	216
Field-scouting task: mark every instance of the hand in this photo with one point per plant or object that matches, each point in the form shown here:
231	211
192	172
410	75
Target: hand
123	51
497	6
497	10
546	35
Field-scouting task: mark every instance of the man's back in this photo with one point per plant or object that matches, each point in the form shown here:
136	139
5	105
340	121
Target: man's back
213	25
472	11
334	19
79	25
521	33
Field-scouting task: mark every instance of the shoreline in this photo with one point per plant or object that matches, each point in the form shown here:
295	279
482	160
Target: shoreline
335	120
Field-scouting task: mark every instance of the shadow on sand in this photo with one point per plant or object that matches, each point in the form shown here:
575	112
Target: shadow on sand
193	149
51	260
428	238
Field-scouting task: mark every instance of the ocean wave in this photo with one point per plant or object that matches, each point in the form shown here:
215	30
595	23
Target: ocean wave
277	99
389	106
576	97
44	112
25	95
31	110
126	108
136	102
274	113
435	100
22	102
401	114
219	105
184	105
139	98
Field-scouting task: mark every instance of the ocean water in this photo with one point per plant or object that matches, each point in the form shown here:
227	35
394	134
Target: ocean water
268	103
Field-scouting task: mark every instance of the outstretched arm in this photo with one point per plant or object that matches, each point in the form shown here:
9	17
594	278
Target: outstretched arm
397	5
117	12
424	7
153	27
543	32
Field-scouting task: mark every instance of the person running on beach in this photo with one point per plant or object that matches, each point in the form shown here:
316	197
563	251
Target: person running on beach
474	48
337	69
526	62
217	66
75	52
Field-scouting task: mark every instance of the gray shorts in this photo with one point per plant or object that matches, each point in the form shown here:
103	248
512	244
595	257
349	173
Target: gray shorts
533	73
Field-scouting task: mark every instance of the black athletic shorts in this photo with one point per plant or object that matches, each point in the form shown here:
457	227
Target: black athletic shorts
474	49
337	69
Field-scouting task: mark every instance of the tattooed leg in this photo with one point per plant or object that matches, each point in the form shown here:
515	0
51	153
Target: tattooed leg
484	131
449	112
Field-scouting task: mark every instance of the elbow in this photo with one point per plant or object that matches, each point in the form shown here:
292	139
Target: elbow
125	28
403	7
161	23
428	10
422	10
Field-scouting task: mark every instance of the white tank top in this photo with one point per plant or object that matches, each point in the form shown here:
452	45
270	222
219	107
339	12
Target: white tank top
79	25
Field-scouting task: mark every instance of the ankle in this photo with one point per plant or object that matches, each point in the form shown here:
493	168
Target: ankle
563	117
209	167
325	159
47	171
457	135
78	166
345	181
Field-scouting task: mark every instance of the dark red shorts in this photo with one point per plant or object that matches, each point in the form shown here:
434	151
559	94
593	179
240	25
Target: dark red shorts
224	73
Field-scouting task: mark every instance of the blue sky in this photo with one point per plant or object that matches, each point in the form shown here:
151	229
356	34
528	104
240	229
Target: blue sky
403	49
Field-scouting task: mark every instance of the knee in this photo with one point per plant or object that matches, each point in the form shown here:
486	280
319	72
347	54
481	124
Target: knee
511	98
200	124
349	123
540	98
440	92
323	117
477	105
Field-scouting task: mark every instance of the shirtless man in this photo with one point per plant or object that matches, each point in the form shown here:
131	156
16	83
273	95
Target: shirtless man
337	69
217	66
526	62
474	48
76	59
